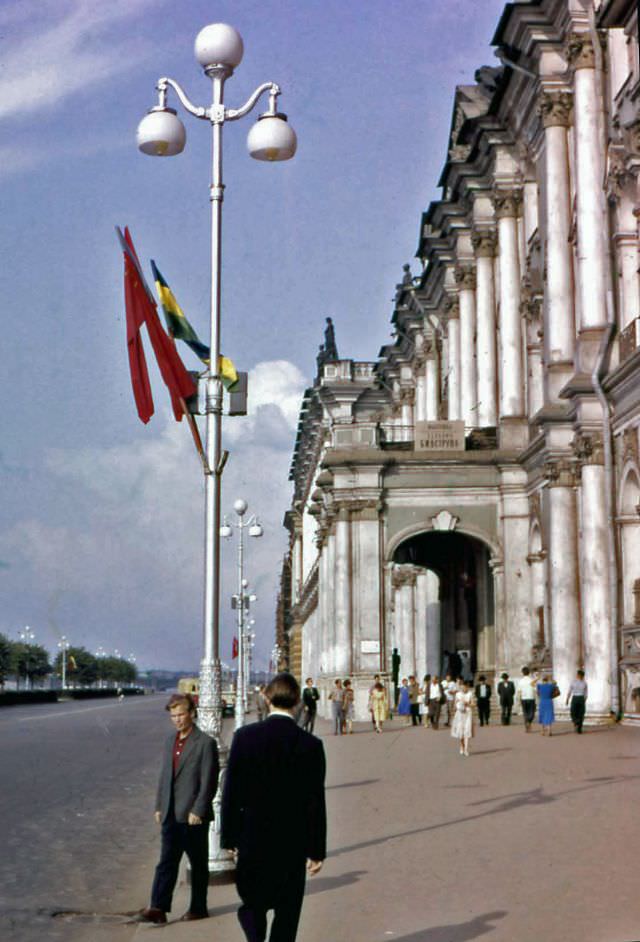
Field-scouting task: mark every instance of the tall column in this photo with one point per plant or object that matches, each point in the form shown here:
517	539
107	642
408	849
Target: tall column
564	579
511	360
484	244
330	617
453	373
343	581
559	314
594	574
591	220
421	395
422	601
319	654
466	280
518	640
434	624
405	582
431	391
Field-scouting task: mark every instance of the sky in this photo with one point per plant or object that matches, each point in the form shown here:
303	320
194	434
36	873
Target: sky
101	517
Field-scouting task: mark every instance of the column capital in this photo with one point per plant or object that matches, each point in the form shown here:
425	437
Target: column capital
452	308
555	109
560	472
506	202
530	306
403	575
484	242
465	276
589	448
580	52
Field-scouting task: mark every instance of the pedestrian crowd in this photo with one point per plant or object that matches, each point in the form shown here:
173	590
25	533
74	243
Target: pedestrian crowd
452	701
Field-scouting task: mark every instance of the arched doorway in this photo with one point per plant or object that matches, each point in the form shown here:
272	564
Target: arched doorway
454	609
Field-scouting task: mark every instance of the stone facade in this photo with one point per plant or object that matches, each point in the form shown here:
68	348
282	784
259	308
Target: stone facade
477	488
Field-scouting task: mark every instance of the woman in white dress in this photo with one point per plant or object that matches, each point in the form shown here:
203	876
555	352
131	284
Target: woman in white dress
462	726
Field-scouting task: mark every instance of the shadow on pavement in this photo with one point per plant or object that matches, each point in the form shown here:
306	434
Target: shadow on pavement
314	885
365	781
533	797
489	752
458	932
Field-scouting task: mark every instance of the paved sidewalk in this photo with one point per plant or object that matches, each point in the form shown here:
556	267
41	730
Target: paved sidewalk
529	838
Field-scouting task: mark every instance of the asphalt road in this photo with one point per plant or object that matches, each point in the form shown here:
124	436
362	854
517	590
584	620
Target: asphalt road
77	782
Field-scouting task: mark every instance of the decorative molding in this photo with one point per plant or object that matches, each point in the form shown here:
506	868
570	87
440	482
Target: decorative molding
580	52
555	109
444	521
403	575
465	276
589	449
484	243
452	307
506	203
560	472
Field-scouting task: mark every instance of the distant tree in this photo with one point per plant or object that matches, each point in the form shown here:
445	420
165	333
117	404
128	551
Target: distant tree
5	658
30	661
82	667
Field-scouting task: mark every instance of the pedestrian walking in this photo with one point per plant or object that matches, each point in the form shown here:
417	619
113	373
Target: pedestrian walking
404	704
414	697
184	808
450	689
426	686
274	815
261	706
483	699
436	699
462	727
347	707
336	696
547	692
527	696
380	705
376	680
506	694
578	692
310	697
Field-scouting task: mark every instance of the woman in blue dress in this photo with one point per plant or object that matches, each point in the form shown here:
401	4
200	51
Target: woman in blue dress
547	690
404	706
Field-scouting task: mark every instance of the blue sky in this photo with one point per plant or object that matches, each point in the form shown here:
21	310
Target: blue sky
101	517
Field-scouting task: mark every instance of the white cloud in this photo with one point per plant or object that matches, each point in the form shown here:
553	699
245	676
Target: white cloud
67	53
126	544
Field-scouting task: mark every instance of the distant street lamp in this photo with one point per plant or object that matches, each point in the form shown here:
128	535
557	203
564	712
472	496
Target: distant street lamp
242	600
27	637
219	50
64	645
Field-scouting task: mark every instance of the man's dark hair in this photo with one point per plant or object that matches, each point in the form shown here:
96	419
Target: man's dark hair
581	674
482	678
504	676
182	699
283	692
525	671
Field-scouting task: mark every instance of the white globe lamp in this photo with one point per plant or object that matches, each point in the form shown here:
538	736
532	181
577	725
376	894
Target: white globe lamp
161	133
271	138
219	44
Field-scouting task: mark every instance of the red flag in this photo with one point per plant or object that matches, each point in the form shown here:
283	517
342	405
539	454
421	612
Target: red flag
135	300
234	648
141	304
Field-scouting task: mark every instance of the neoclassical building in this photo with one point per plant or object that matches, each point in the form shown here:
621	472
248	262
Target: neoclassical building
477	487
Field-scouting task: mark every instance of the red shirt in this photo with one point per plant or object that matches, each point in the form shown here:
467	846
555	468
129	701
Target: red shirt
178	746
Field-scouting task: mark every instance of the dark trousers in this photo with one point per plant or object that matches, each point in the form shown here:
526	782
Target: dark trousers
280	889
506	709
415	714
484	709
309	719
578	707
434	713
179	839
529	712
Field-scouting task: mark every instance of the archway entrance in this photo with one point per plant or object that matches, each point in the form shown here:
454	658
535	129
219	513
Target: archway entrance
453	602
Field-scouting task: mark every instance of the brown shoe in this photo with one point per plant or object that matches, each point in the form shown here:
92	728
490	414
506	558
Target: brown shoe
151	914
189	916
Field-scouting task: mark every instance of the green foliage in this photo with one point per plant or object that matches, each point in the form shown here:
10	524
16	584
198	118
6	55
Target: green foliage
82	667
28	661
5	658
116	670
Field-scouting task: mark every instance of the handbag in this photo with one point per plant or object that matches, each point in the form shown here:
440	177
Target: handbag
555	692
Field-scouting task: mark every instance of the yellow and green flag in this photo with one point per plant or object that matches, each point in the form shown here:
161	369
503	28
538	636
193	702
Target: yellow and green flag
180	328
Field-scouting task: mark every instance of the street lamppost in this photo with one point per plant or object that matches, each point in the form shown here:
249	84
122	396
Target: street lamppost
101	653
27	637
64	645
242	600
219	50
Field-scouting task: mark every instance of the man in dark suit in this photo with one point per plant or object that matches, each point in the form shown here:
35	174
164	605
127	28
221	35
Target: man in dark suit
506	693
187	784
310	697
483	699
273	814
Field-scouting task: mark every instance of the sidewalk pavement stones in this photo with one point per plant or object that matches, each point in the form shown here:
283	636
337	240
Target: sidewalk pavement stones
530	837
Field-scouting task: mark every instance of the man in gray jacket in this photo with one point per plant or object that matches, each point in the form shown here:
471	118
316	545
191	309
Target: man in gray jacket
187	784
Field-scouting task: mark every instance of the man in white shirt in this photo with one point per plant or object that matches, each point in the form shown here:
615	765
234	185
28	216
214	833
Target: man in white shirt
483	699
527	696
450	687
578	692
